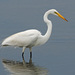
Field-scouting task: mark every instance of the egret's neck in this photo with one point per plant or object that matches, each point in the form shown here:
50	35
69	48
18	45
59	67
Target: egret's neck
49	25
46	20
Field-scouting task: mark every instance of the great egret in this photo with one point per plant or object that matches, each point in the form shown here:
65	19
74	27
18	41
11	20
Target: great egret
32	37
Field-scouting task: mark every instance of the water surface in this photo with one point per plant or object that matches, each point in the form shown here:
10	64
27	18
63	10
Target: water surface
57	56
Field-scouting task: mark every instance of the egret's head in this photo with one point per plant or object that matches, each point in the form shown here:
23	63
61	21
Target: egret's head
55	12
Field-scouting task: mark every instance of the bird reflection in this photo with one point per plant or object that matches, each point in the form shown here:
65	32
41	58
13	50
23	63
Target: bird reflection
23	68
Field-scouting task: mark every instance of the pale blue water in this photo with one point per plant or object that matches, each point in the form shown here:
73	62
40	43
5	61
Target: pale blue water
57	56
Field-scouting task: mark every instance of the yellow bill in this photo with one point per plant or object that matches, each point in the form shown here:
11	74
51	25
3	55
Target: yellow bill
61	16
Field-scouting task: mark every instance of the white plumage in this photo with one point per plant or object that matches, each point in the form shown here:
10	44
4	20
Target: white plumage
32	37
26	38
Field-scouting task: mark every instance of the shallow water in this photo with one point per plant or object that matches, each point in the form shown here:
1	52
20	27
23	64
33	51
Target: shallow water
57	56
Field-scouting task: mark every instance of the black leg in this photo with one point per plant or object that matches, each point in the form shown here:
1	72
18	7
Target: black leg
23	55
23	52
30	55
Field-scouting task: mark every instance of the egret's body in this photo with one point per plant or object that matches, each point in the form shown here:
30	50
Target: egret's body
33	37
26	38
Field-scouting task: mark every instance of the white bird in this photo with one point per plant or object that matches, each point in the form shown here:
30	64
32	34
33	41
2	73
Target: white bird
32	37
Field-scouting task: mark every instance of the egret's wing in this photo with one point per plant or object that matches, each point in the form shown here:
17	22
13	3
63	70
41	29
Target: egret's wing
24	38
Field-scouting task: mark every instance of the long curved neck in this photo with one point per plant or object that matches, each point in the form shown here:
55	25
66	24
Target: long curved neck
49	25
